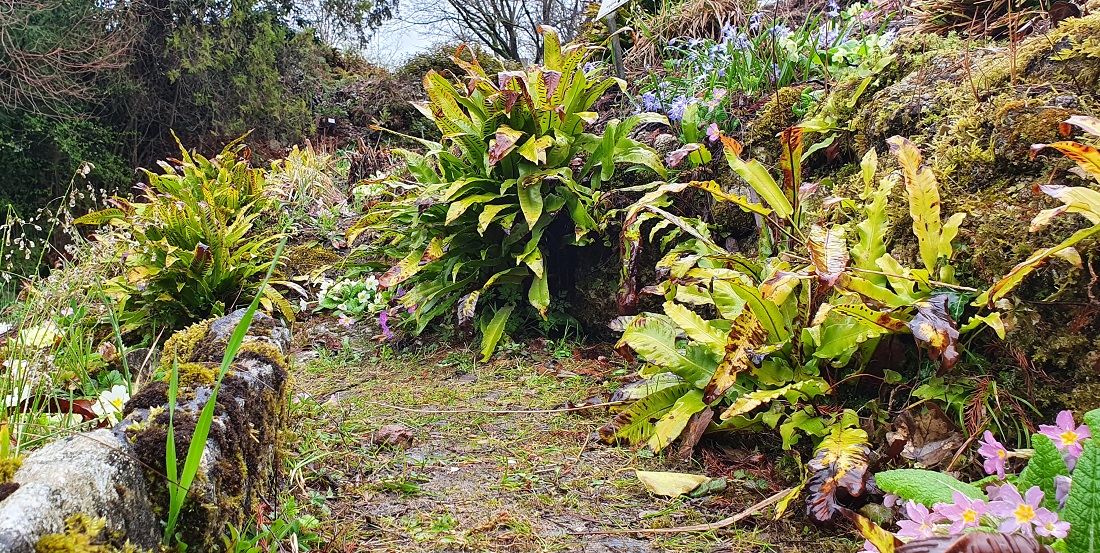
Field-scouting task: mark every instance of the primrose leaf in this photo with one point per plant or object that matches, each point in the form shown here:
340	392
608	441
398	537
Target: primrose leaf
840	462
926	487
669	484
1083	504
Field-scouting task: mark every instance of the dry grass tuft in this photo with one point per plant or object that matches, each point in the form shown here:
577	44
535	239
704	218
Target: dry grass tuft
692	18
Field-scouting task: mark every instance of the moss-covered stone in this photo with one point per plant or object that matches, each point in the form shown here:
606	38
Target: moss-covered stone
84	534
309	259
250	411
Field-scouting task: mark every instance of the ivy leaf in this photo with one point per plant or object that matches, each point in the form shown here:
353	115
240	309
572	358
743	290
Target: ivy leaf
926	487
1082	510
1042	468
839	465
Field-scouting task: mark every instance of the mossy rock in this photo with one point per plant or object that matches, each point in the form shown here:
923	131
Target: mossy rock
250	412
309	259
84	534
8	467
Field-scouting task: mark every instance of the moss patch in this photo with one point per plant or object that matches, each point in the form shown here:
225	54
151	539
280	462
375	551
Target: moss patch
84	534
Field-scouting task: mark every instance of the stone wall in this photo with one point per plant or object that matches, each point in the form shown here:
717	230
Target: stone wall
118	474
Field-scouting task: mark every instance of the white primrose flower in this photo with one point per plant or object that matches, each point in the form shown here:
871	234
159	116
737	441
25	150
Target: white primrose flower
17	396
110	402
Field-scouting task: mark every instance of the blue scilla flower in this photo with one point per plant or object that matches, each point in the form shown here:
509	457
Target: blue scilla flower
832	9
591	66
780	31
650	102
679	104
754	22
742	43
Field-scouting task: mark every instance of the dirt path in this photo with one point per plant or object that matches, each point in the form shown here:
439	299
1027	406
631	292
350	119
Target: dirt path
490	482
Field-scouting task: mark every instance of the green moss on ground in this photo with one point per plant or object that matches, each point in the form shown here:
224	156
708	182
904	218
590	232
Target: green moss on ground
84	534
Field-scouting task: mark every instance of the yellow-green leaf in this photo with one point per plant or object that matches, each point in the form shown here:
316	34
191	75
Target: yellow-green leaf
746	335
670	426
670	484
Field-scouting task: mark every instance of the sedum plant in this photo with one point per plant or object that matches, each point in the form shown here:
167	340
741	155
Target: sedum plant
481	212
194	251
755	338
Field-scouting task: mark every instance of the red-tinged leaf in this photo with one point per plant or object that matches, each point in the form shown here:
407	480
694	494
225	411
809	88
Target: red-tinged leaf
790	161
1087	157
505	141
676	156
976	542
467	310
1088	124
840	474
933	327
883	540
1065	129
552	80
58	406
510	97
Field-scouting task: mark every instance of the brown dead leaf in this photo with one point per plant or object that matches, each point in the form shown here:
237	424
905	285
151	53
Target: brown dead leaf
929	436
392	435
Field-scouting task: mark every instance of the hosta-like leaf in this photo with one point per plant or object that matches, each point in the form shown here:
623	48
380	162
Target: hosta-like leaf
672	424
758	178
654	339
809	388
492	332
884	541
636	423
670	484
828	252
933	236
746	335
933	327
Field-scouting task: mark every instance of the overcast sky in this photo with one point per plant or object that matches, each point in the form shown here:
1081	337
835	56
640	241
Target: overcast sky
396	41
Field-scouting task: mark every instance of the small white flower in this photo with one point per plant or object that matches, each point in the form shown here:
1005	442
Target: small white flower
363	296
13	399
110	402
342	307
371	282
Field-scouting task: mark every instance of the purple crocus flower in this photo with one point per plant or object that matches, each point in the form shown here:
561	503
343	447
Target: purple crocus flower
921	523
994	453
1067	436
1019	512
1048	525
383	319
963	512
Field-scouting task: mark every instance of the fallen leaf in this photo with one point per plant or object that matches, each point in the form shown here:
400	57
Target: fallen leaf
393	435
933	327
670	484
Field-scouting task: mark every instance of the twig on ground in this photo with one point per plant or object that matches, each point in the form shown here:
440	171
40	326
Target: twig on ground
577	461
698	527
503	412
